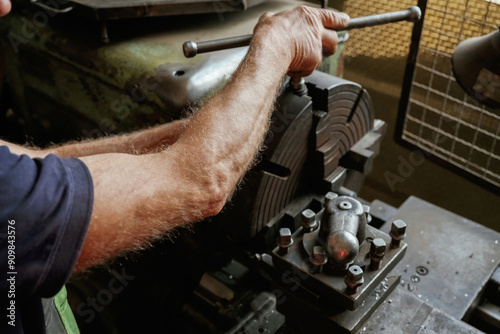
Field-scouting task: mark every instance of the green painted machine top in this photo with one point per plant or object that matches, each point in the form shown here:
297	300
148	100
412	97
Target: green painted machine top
139	78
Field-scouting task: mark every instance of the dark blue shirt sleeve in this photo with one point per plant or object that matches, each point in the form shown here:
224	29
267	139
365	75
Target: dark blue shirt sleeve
50	202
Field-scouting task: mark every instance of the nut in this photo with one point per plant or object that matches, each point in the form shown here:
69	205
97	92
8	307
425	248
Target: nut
398	232
308	220
353	279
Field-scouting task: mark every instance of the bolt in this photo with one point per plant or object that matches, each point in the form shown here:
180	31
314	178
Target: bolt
377	252
308	220
366	209
318	259
345	205
353	279
329	197
319	256
284	240
398	233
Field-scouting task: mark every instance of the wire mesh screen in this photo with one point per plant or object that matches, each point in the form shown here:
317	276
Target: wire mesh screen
379	41
439	117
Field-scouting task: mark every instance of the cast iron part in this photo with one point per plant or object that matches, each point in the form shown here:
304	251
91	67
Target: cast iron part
192	48
342	230
342	218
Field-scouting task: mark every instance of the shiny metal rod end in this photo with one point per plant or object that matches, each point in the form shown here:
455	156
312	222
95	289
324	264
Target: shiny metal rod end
190	49
415	14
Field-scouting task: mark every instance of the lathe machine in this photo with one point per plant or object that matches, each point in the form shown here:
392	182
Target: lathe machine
296	250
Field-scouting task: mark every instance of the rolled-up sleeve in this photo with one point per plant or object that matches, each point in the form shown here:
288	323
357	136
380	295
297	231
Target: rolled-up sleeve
48	202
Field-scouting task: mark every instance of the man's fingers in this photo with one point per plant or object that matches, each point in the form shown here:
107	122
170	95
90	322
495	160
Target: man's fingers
331	19
329	40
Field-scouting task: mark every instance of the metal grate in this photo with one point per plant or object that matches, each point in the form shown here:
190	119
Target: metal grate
439	117
386	41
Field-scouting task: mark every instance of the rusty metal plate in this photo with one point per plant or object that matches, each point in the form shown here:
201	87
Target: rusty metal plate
449	258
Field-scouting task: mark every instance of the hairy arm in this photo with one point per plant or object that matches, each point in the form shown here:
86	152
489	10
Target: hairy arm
193	178
141	142
138	198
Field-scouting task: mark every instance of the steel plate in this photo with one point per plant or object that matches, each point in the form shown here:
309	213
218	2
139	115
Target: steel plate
449	258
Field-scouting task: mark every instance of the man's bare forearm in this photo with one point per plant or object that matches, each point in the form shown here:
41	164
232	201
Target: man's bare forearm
193	178
146	141
138	198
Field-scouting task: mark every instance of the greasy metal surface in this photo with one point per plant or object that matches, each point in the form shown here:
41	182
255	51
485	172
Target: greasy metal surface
224	302
403	312
60	71
450	258
331	285
306	317
122	9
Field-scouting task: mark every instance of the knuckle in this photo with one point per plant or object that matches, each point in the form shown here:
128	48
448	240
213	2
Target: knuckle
266	17
267	14
303	9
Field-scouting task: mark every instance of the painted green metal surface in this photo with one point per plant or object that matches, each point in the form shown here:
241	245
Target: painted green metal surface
67	84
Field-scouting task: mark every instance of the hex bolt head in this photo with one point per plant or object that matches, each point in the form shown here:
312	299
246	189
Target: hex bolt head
353	279
308	220
377	252
397	233
330	196
319	257
378	247
284	240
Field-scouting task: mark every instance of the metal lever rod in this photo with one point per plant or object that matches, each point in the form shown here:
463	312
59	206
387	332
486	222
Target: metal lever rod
411	14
